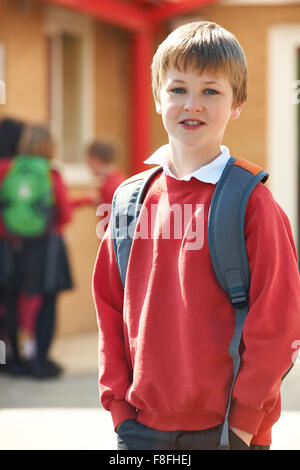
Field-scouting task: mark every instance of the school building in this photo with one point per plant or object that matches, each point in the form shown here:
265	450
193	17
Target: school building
82	66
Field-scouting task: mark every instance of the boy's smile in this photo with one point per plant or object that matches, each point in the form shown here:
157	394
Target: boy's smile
192	124
195	111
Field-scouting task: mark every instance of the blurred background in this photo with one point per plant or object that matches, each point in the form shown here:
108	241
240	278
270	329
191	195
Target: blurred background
82	68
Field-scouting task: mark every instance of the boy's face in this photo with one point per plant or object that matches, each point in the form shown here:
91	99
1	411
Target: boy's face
96	165
196	109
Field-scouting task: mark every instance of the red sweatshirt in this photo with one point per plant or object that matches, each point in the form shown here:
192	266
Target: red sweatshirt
105	191
164	341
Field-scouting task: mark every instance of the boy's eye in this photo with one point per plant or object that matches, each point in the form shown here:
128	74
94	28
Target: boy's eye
178	90
209	91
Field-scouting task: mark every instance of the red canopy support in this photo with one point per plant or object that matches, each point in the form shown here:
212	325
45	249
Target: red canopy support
113	11
163	12
141	104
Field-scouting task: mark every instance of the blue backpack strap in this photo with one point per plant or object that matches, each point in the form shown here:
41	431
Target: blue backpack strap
126	206
228	251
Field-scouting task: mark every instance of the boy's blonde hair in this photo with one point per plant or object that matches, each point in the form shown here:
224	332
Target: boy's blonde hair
36	140
205	46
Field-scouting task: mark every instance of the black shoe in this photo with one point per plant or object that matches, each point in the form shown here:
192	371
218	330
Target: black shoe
54	366
17	368
43	369
3	368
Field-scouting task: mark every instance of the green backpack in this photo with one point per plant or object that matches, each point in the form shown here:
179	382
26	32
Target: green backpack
26	197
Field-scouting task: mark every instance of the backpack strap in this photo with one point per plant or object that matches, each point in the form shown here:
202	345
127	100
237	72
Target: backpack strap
126	206
228	250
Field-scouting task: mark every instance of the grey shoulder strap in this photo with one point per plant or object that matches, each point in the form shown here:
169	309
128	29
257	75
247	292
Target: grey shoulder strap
226	225
126	206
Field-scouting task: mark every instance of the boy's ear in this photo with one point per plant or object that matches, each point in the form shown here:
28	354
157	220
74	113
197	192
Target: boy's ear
158	107
235	113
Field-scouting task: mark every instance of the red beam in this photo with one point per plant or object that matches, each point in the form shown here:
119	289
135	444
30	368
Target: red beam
112	11
162	13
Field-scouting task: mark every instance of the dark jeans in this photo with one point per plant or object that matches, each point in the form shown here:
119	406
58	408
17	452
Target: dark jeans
133	435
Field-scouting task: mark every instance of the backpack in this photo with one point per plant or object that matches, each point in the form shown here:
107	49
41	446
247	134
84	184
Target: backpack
26	197
225	238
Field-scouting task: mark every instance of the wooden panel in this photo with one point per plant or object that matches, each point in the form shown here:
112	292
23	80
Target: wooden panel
112	88
76	313
21	29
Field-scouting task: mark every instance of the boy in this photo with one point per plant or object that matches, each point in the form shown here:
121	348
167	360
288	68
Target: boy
101	159
165	370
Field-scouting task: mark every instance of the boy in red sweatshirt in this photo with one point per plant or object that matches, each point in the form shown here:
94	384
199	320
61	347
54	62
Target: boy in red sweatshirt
165	369
102	161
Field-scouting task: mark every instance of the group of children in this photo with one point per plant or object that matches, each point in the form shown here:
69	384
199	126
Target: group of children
35	208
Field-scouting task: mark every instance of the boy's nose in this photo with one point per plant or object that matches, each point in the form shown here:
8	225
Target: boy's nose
193	105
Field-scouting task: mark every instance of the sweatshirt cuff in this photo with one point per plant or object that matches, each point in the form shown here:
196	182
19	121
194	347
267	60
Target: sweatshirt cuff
121	410
247	419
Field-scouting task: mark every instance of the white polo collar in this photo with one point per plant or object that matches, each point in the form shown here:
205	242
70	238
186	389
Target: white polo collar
209	173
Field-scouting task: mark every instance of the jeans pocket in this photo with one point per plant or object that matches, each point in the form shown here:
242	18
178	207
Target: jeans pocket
236	443
124	424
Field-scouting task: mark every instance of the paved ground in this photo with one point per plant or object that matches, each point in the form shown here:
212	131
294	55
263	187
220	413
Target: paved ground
65	413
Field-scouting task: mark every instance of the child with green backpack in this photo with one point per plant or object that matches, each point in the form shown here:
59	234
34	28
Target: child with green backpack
34	207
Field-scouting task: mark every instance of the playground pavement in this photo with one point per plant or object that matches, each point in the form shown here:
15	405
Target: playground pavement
65	413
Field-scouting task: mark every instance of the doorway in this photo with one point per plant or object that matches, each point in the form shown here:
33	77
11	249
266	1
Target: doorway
284	121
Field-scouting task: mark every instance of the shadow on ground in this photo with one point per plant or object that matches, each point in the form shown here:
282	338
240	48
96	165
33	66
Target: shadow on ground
72	390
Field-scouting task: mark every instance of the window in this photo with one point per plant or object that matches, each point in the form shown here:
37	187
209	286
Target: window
71	89
72	104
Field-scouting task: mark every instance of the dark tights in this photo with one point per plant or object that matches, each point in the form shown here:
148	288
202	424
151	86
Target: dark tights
45	325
